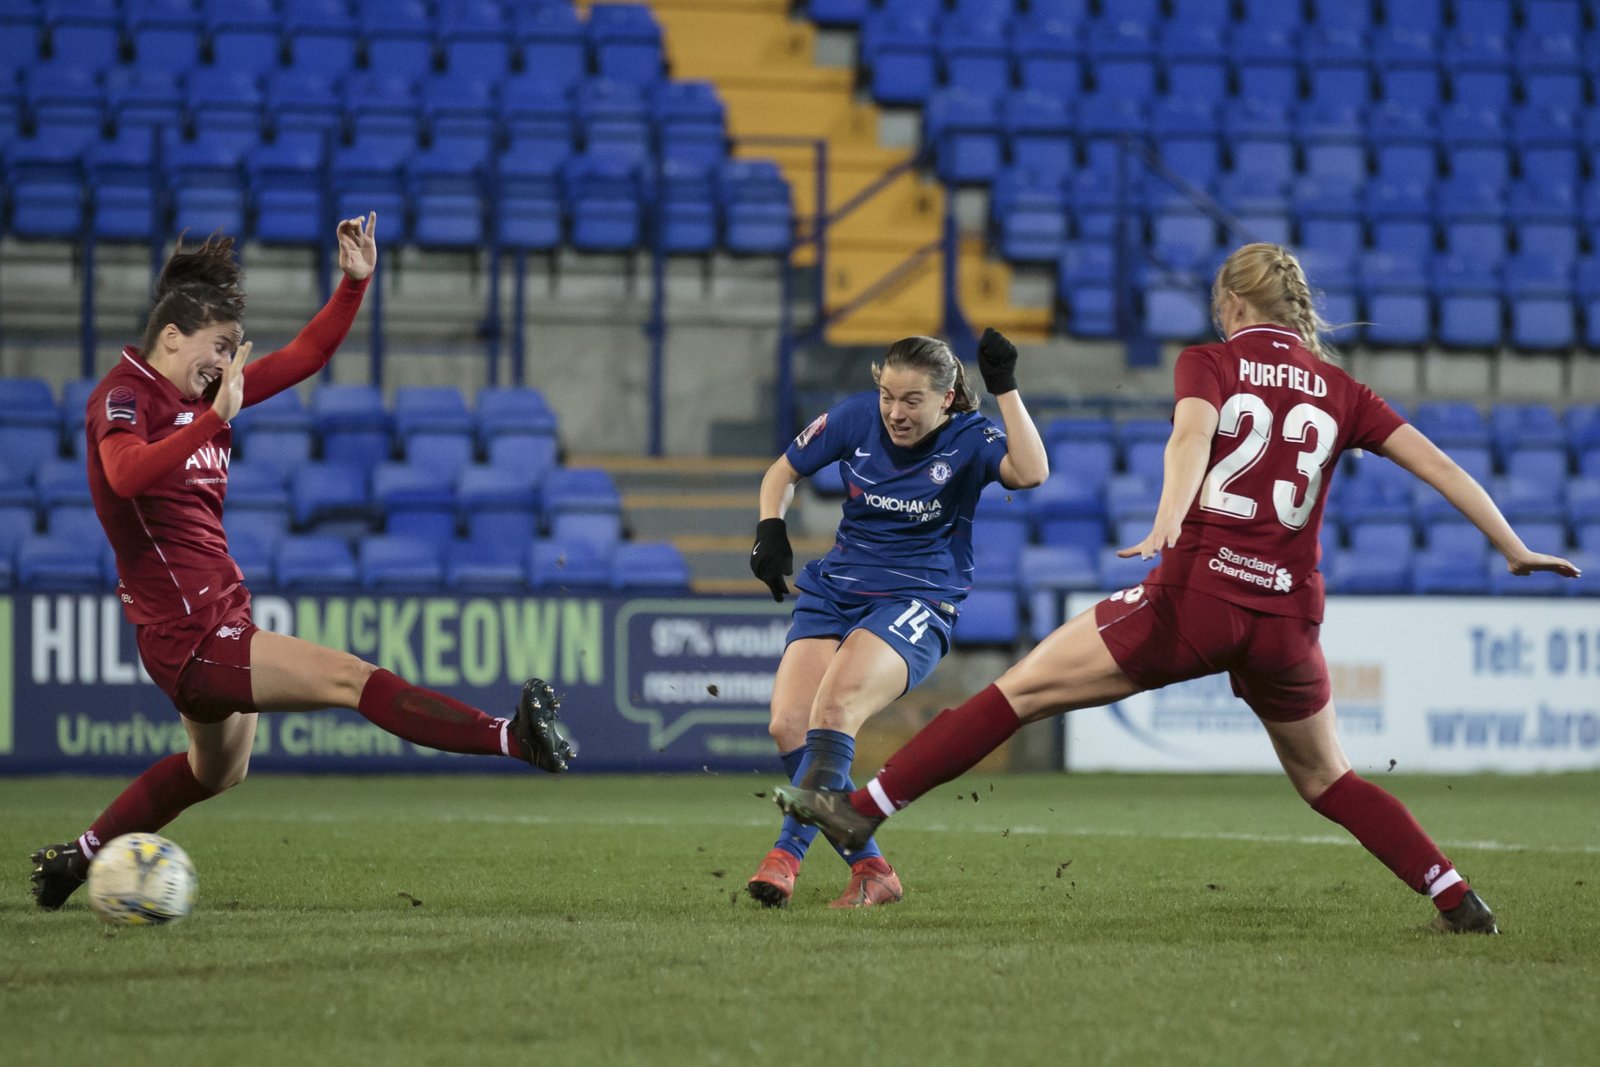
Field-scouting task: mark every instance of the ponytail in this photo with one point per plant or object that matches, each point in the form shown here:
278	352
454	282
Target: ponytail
198	287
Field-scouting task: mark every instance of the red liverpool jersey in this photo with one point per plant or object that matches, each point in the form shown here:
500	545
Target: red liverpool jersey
172	555
1284	418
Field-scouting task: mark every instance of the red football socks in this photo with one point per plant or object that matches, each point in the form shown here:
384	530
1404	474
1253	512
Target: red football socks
151	801
945	749
433	720
1383	825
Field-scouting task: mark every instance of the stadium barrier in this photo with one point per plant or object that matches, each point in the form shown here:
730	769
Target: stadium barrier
649	684
1423	684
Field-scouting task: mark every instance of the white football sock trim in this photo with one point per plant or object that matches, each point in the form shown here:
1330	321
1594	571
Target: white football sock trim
505	741
1443	882
880	798
84	847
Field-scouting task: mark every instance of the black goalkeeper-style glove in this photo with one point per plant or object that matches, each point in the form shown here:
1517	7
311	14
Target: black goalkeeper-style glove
997	362
772	558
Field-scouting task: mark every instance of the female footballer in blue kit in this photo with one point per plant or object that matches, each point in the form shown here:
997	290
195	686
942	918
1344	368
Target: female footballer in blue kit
873	617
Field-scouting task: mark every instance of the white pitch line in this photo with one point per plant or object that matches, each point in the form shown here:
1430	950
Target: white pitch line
937	828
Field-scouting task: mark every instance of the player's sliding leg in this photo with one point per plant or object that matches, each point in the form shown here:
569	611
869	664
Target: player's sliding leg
288	674
1311	755
1069	669
794	688
217	760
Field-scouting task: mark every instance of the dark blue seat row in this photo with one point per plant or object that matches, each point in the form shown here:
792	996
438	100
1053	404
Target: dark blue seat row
404	38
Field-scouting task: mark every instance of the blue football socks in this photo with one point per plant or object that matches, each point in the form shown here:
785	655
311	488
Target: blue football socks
823	764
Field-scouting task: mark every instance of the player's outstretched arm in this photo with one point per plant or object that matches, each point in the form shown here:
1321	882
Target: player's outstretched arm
1026	463
1194	423
1411	449
311	349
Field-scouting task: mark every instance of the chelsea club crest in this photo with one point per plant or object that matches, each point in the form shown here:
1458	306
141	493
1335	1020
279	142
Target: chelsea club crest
939	472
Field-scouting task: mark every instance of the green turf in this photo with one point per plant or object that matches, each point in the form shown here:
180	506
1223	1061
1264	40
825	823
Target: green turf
1084	919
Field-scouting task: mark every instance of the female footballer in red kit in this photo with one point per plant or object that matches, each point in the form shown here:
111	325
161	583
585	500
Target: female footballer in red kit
1259	422
158	450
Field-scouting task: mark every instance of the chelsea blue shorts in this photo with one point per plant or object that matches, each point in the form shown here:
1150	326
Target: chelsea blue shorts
918	631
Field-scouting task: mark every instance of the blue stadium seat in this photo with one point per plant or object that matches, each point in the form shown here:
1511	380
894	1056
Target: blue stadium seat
974	55
322	38
390	562
1453	424
89	33
1583	502
837	12
1550	70
65	564
461	114
528	209
1265	63
245	40
1194	59
1478	66
60	482
1444	572
578	567
513	410
207	187
1397	300
1131	496
602	197
282	450
329	491
1118	573
690	124
1176	312
45	182
686	209
1354	572
988	617
315	562
1084	462
410	487
626	43
656	569
1334	66
963	129
398	38
1029	216
899	56
27	402
757	210
281	411
1122	59
486	565
1047	573
288	194
259	486
1038	129
551	38
256	559
166	35
614	118
474	37
1514	427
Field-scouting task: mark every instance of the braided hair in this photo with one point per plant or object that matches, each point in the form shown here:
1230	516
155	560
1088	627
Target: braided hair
932	357
1270	279
198	287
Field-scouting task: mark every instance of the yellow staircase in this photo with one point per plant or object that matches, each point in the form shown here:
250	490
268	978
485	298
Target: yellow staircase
761	61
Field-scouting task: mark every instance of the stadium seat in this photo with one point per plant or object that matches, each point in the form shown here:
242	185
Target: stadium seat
315	562
1118	573
282	450
690	124
963	129
60	482
974	56
474	37
490	565
399	563
758	213
551	39
581	567
1047	573
65	564
988	617
625	42
656	569
899	56
329	491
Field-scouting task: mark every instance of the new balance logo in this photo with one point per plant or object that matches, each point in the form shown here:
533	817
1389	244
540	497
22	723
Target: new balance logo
184	418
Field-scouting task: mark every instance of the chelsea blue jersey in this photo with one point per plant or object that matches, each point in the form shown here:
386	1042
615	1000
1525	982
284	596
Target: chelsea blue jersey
907	526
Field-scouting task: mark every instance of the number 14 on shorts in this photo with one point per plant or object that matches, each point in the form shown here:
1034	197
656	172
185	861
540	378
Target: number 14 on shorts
912	623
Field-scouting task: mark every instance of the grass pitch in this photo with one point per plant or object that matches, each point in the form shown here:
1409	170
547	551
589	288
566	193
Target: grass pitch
601	920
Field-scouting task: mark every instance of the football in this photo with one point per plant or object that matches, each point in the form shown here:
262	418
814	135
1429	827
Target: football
142	880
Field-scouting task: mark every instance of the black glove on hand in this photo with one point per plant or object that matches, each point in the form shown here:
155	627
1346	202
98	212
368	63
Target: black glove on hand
997	362
772	558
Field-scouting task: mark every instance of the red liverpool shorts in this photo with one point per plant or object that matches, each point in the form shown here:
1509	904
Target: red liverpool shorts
202	661
1161	634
